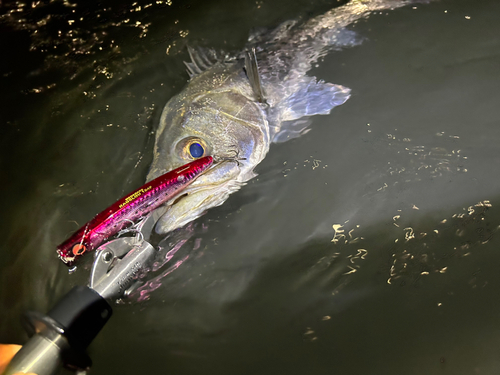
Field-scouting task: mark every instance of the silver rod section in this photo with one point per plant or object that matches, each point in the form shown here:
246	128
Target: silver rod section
40	355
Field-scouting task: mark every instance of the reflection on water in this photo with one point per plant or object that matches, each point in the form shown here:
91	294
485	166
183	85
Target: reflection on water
367	245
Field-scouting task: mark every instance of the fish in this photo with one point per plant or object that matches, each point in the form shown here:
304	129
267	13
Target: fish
238	105
129	209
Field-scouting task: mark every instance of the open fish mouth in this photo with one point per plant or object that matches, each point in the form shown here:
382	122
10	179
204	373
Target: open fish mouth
209	190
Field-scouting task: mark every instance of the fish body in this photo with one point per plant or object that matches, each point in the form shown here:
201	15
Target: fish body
242	104
130	208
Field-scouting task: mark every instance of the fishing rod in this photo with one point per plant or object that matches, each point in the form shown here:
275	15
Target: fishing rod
61	337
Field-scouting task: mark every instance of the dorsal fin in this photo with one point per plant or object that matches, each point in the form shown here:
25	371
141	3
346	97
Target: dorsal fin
252	70
201	60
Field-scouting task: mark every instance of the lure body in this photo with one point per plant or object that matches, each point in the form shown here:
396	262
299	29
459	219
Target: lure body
130	208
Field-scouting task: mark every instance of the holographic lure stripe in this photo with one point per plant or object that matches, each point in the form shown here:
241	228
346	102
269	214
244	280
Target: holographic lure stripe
129	209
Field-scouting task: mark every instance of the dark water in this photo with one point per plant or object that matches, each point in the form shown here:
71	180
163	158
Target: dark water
369	245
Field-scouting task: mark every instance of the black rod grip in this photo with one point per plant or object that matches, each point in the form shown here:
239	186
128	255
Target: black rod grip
82	313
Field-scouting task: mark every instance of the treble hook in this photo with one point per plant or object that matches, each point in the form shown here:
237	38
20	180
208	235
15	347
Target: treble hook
235	158
132	229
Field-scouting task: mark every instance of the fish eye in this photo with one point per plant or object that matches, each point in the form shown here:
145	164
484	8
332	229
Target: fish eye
196	150
191	148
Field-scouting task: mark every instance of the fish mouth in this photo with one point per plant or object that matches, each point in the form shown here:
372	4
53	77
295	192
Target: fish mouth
208	190
177	199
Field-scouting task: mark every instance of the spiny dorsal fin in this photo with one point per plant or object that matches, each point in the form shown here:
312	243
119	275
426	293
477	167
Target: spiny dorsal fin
201	60
252	70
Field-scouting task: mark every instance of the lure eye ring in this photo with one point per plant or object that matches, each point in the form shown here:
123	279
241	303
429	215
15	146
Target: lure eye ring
78	249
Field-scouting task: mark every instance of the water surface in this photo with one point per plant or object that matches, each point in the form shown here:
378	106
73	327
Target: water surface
369	245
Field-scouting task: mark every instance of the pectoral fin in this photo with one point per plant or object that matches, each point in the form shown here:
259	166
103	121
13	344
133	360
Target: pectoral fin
252	70
313	98
310	98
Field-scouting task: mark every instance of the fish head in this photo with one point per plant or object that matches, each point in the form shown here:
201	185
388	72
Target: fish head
225	125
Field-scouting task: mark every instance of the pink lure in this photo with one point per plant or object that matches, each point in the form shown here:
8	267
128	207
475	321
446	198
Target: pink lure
130	208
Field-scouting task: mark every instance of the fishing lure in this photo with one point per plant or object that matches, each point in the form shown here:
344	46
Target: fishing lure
130	208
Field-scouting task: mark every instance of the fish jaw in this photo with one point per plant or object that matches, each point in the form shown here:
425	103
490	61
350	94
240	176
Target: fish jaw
209	190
